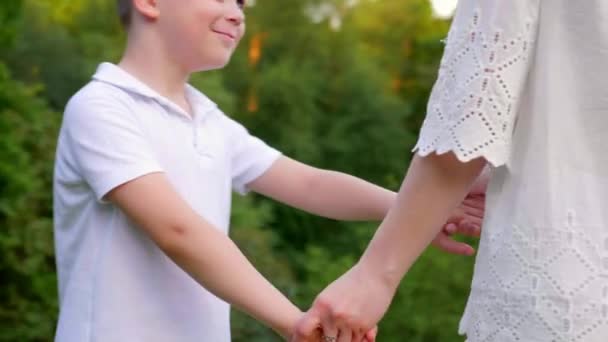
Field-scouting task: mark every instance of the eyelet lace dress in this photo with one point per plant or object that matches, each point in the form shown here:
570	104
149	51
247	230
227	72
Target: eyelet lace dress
524	84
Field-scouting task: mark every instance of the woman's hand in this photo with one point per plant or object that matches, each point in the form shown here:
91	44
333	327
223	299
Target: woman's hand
348	309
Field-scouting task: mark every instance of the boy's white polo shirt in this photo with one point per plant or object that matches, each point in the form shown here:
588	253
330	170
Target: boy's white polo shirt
115	284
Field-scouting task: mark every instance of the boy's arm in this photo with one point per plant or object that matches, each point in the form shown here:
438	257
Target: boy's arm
325	193
343	197
208	255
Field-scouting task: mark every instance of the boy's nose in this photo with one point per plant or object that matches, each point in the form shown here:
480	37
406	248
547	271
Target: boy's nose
236	15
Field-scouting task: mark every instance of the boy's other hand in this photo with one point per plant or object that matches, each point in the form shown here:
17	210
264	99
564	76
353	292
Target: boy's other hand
466	220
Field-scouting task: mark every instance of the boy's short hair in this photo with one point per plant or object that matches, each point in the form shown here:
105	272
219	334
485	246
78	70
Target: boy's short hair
125	8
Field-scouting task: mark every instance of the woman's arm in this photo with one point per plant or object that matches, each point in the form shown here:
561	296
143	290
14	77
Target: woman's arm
433	187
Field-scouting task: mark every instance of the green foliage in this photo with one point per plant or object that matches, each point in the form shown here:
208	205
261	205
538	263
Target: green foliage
62	53
27	140
349	100
430	300
10	11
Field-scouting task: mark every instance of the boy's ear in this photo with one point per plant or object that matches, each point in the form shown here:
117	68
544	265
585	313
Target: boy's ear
147	8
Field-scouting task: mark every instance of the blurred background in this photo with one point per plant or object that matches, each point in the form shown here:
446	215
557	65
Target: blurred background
339	84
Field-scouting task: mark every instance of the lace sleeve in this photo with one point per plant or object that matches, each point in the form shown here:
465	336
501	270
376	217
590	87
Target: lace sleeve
473	105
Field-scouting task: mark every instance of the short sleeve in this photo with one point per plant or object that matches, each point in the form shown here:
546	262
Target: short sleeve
474	102
250	157
106	142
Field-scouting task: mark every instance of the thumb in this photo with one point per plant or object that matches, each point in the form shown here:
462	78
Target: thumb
450	228
306	328
452	246
370	336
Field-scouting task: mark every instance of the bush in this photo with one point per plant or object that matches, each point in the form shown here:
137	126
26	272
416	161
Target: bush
28	131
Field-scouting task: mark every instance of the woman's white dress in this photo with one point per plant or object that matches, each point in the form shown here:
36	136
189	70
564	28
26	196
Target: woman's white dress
524	83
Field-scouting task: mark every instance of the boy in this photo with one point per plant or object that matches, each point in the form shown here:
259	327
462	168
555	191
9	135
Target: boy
143	177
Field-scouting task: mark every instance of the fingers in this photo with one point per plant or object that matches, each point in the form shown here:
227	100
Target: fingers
370	336
330	330
307	328
473	207
466	228
449	245
469	229
345	334
450	228
468	212
358	335
477	202
316	336
469	221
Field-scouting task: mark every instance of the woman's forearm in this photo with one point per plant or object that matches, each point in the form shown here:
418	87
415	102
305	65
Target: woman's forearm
433	187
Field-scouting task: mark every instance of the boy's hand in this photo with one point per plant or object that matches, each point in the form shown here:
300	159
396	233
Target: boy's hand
466	220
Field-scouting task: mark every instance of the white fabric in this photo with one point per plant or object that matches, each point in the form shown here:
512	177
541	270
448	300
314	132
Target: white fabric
524	84
115	284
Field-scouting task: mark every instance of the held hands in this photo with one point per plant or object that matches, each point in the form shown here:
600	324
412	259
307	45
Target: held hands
316	335
306	330
343	312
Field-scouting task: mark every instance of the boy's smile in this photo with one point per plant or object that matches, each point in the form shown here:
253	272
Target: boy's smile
229	38
201	34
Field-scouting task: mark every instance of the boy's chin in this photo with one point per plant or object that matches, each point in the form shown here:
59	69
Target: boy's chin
217	63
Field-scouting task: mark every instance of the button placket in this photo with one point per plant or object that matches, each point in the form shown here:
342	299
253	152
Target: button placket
198	123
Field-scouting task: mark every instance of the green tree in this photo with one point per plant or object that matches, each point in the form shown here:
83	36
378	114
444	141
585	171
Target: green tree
28	129
10	14
61	52
405	39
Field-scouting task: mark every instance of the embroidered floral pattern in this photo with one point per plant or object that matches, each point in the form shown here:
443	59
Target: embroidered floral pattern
472	107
